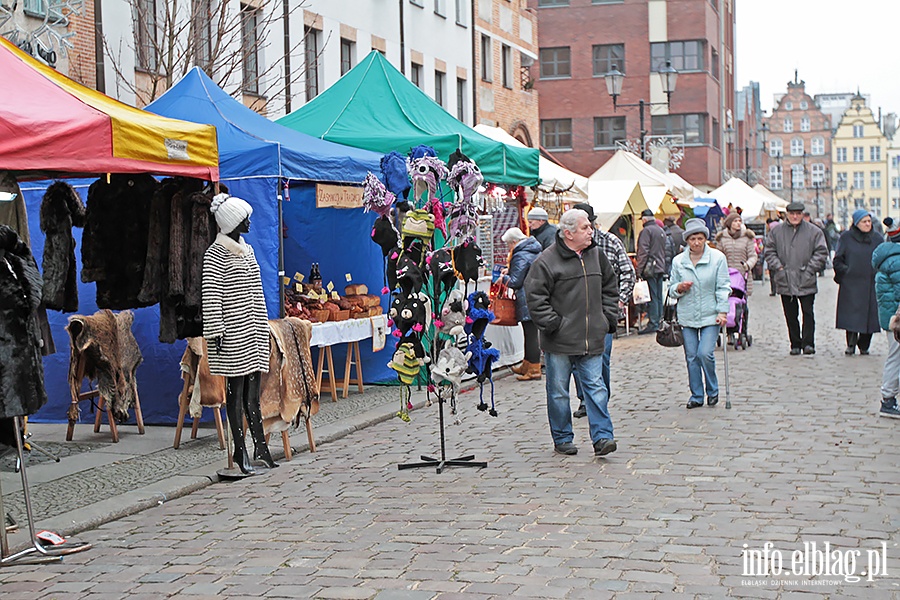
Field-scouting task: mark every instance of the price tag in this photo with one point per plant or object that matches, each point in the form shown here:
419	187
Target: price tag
323	297
330	286
335	296
298	276
298	287
348	277
286	280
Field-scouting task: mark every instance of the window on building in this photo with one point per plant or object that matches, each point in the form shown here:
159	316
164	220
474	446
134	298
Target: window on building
607	55
817	146
788	125
804	124
439	8
555	63
691	126
858	131
684	56
895	183
895	203
348	55
714	65
798	177
506	64
608	130
607	1
788	105
775	177
415	75
875	180
817	174
804	105
202	33
875	206
841	181
461	99
556	134
776	148
715	134
311	41
146	33
487	59
875	153
859	203
859	154
461	12
551	3
250	48
895	161
796	146
840	154
859	179
439	81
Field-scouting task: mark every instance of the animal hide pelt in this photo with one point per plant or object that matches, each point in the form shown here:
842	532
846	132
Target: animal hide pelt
114	244
103	348
61	209
288	392
205	388
21	367
181	229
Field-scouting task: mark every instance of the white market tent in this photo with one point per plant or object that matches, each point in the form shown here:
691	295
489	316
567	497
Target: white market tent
612	199
660	201
738	194
553	176
773	203
625	165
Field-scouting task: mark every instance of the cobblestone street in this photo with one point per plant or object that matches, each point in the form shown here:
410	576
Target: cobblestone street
801	457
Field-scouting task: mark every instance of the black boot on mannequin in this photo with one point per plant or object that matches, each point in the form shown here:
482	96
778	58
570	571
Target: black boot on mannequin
254	419
235	388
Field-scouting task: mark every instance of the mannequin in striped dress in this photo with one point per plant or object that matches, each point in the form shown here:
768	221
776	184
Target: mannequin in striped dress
235	325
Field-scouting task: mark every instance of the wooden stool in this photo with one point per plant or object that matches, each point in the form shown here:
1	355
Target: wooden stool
330	385
352	352
101	407
184	402
286	440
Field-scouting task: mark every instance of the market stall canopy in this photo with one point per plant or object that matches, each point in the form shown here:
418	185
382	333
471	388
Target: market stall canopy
554	178
737	194
659	199
252	146
373	106
773	203
612	199
51	125
708	210
684	185
625	165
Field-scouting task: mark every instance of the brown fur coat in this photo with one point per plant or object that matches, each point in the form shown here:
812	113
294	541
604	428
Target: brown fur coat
288	392
61	209
103	348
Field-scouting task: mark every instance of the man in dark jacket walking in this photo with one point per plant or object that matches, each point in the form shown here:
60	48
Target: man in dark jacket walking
651	266
572	296
795	252
540	229
675	232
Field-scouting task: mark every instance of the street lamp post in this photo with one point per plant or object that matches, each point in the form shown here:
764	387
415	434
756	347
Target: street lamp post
614	80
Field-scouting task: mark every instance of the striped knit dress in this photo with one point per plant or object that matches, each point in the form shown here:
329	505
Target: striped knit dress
234	308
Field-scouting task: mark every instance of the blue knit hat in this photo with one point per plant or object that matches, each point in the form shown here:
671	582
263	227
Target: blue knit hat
860	214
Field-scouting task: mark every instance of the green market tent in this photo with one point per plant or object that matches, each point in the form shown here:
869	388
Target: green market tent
374	107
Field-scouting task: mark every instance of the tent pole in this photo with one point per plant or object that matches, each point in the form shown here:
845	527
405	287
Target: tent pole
280	196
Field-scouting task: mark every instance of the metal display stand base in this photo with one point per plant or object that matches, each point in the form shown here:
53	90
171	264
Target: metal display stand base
45	554
443	462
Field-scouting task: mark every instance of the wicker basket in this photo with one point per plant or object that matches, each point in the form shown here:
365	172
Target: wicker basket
340	315
321	315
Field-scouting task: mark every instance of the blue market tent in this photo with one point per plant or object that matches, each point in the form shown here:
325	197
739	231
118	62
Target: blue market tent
709	210
259	161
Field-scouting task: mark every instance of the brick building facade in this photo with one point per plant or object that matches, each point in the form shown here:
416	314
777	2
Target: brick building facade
798	161
506	32
579	42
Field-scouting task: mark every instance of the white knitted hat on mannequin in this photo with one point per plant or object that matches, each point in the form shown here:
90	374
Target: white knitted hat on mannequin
230	211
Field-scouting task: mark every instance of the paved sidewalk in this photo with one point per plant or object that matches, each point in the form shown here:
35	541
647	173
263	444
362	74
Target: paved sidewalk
801	457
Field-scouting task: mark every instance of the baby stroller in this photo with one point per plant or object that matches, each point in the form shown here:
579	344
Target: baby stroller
736	324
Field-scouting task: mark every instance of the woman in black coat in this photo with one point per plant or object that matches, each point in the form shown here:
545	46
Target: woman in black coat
524	250
857	309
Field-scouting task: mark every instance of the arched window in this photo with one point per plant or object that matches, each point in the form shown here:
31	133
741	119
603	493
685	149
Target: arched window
776	148
796	146
817	146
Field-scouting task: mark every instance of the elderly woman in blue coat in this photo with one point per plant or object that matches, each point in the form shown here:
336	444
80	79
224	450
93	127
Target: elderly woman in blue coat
700	282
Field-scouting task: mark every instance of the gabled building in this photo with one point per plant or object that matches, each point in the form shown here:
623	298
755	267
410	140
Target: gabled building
859	155
799	150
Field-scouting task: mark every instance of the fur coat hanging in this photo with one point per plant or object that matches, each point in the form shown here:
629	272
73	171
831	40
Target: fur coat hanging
103	349
114	244
22	371
61	209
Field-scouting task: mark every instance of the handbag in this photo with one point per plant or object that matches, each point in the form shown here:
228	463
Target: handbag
670	332
503	303
641	293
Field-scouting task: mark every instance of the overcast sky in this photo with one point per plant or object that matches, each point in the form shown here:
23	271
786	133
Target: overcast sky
832	50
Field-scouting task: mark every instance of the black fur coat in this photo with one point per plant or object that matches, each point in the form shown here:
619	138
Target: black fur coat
21	367
61	209
114	244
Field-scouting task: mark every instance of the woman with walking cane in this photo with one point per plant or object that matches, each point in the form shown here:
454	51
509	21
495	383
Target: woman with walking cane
700	282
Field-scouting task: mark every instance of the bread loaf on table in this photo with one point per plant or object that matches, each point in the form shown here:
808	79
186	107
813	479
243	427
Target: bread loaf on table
356	289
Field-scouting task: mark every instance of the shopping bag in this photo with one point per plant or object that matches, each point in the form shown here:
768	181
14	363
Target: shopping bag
641	293
670	333
503	303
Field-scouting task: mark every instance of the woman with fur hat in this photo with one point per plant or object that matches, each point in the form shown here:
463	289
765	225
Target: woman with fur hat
857	308
738	244
700	282
523	251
